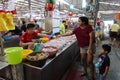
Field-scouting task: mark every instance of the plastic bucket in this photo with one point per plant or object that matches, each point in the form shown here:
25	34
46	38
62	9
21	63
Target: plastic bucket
14	55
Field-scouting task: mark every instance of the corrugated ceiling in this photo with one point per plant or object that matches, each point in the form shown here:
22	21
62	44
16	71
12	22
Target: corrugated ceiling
37	6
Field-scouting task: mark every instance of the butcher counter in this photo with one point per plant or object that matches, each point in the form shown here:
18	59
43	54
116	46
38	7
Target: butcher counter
54	68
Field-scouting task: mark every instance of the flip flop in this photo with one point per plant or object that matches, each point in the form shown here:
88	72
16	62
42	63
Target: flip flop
83	74
91	79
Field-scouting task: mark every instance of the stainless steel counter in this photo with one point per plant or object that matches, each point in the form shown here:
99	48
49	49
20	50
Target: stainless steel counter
54	68
3	62
3	65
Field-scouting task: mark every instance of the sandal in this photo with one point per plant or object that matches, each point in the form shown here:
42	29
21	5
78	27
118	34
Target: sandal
91	78
83	74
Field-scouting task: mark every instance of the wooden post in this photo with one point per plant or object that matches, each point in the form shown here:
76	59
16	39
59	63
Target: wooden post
8	73
1	46
97	8
17	72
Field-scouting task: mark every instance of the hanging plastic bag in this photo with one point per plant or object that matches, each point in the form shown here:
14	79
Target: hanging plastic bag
9	21
3	26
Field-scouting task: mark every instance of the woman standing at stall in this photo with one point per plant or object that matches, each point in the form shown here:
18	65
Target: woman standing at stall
84	35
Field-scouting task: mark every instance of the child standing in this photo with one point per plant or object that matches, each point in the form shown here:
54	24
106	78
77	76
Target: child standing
98	33
104	62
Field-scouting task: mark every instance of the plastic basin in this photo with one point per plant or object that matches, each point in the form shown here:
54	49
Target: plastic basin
44	40
39	62
14	55
26	52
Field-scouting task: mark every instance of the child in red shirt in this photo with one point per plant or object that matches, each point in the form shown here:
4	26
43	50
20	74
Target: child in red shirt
27	37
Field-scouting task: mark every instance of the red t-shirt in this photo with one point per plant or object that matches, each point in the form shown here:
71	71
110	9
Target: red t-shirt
27	37
82	35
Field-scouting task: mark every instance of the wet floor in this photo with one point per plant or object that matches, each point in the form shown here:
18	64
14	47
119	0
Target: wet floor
113	74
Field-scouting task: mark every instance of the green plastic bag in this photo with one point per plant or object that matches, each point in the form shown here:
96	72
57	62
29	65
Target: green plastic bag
38	47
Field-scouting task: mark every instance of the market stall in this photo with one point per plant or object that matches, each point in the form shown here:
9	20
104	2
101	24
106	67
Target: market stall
54	68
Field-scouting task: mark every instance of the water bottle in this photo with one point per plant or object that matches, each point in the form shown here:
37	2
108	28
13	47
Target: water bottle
97	65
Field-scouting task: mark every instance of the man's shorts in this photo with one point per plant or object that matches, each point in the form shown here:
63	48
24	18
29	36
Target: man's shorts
113	34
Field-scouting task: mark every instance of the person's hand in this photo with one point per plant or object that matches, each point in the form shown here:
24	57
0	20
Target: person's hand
89	51
45	35
96	56
30	46
59	35
104	75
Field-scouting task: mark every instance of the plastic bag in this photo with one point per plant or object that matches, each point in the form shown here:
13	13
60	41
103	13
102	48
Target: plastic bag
9	21
38	47
6	23
3	26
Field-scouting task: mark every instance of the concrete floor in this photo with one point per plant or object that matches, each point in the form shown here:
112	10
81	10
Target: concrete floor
114	72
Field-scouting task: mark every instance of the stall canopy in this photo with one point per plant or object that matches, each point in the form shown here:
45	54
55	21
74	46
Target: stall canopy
107	8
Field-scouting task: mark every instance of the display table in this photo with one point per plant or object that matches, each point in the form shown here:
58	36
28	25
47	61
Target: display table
54	68
10	72
14	72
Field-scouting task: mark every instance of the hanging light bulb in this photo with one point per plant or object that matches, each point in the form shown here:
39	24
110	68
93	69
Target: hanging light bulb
71	6
84	3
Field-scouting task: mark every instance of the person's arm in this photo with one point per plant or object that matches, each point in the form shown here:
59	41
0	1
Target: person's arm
67	34
25	44
95	55
106	71
90	41
42	35
110	28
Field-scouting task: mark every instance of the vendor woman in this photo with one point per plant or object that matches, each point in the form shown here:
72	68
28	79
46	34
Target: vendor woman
27	37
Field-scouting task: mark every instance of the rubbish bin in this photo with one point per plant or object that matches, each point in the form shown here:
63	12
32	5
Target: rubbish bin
14	55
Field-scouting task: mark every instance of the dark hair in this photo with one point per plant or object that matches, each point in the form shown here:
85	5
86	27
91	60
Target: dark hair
35	21
84	20
98	24
23	22
106	47
63	21
30	25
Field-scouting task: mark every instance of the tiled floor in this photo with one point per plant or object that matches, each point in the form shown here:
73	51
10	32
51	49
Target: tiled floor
114	72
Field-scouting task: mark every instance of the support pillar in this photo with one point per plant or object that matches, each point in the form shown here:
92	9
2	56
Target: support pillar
96	11
17	72
48	21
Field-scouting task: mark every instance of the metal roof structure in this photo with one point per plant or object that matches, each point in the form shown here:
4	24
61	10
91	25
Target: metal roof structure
25	7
